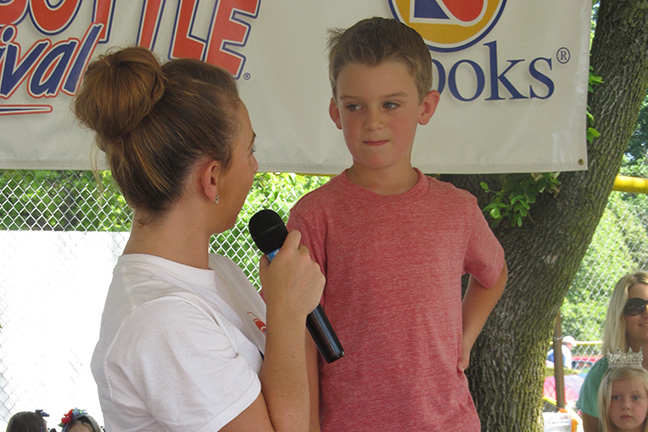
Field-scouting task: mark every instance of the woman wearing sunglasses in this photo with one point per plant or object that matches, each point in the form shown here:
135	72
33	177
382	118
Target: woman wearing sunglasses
626	326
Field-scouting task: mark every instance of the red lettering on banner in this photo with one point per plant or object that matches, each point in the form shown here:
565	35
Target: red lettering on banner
226	31
150	23
49	68
52	20
12	12
183	44
103	14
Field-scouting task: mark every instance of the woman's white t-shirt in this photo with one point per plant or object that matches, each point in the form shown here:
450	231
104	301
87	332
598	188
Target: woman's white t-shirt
180	348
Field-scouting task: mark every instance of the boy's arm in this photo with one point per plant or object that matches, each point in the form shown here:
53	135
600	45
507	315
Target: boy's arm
478	303
312	356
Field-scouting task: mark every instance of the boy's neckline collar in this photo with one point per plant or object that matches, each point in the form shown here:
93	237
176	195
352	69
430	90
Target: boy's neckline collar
380	188
418	189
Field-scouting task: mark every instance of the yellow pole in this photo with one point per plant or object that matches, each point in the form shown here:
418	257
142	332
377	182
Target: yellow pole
630	184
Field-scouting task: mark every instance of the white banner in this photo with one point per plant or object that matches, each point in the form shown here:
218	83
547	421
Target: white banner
512	76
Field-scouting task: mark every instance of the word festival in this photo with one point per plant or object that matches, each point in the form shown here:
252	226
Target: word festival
49	67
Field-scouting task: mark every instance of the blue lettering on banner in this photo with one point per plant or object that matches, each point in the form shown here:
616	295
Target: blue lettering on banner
499	81
455	26
47	68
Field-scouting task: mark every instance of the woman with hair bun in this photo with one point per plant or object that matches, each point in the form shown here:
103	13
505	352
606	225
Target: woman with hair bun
183	344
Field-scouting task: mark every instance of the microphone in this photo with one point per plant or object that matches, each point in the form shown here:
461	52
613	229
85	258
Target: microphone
269	232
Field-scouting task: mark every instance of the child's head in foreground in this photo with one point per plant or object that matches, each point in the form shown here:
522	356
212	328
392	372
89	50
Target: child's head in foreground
623	398
28	421
78	420
381	74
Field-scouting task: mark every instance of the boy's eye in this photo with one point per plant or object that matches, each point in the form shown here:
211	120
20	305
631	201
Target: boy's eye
352	107
390	105
616	397
253	149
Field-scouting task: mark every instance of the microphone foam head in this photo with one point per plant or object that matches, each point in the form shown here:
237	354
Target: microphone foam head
267	230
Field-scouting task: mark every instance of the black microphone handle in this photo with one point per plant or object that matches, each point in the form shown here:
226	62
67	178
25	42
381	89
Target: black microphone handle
322	333
269	232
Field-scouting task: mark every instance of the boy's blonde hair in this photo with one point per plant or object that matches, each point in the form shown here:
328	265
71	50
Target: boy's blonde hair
614	331
639	375
374	41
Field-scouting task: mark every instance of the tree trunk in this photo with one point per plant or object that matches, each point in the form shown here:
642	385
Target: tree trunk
507	363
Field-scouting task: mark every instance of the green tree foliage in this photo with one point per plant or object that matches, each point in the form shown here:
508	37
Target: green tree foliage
516	193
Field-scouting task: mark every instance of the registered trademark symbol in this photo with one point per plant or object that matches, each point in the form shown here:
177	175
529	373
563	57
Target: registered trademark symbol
247	76
563	55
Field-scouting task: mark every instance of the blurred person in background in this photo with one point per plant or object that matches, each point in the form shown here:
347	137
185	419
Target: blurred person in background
568	344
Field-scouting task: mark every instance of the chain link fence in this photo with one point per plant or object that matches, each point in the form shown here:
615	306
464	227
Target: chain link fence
62	231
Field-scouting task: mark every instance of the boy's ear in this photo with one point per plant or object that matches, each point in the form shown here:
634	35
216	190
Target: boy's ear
429	104
334	112
210	178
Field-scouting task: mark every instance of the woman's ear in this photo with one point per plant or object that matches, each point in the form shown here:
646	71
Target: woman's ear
429	104
209	179
334	112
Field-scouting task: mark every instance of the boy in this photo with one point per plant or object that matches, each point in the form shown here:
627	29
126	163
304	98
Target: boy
393	245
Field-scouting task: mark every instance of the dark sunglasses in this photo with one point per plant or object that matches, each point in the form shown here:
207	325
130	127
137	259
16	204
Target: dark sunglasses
635	306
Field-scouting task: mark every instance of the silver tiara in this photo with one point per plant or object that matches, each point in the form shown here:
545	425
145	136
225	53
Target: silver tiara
621	359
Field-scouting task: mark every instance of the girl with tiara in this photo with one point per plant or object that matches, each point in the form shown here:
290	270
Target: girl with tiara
623	395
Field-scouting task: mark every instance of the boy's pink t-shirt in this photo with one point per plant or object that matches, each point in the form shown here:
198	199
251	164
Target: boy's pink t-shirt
393	295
